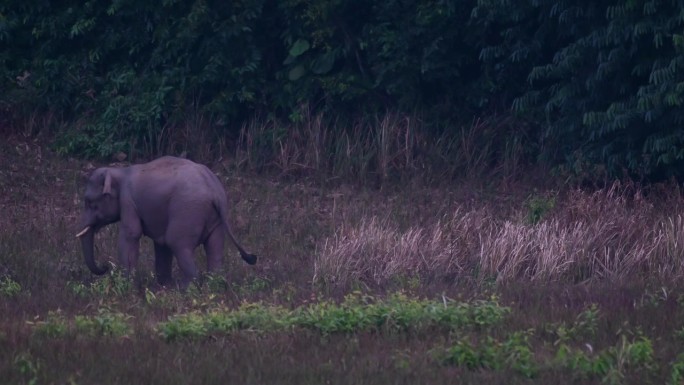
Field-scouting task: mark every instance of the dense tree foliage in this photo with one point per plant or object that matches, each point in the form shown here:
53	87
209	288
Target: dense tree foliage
598	84
608	87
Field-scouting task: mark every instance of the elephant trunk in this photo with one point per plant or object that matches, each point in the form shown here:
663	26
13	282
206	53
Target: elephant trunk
88	244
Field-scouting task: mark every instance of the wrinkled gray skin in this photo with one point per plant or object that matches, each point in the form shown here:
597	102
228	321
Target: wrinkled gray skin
179	204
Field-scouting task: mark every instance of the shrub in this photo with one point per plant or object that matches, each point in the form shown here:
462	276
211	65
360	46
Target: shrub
9	287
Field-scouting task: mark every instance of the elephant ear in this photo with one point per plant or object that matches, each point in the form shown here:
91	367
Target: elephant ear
107	189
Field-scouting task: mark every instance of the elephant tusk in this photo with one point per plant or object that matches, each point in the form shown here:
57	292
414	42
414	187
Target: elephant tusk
85	230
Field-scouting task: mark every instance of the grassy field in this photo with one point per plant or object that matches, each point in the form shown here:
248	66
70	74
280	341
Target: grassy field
475	282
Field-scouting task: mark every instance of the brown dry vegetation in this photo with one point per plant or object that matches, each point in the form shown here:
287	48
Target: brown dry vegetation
615	233
548	255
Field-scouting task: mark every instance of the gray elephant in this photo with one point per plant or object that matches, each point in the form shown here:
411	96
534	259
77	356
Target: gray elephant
179	204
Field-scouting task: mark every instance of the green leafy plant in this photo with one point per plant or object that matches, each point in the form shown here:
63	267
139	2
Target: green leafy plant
465	354
538	207
679	334
217	283
115	283
613	364
55	325
250	316
172	299
357	313
677	371
253	285
28	366
78	288
104	323
585	325
190	325
518	355
513	352
9	287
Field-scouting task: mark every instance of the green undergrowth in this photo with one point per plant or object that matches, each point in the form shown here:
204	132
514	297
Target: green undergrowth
476	336
627	358
355	314
9	287
105	322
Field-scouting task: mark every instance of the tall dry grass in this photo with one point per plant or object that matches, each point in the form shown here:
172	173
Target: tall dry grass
614	233
385	147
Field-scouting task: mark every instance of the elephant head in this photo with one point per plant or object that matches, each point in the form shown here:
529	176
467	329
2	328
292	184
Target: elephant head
101	200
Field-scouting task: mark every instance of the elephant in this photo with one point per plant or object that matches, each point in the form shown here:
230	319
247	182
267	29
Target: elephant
176	202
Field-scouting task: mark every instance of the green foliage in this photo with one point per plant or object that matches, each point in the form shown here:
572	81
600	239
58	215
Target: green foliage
611	365
77	288
125	73
397	313
464	354
517	354
356	313
123	76
677	372
585	326
115	283
538	207
253	285
601	85
185	326
9	287
55	325
28	366
513	353
216	283
605	78
248	317
679	333
105	323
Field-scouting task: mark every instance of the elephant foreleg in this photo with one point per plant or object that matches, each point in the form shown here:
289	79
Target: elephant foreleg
129	246
163	258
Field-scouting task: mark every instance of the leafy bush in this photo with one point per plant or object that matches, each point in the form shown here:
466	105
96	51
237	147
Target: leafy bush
356	313
514	353
186	326
115	283
105	323
612	364
677	372
585	325
9	287
55	325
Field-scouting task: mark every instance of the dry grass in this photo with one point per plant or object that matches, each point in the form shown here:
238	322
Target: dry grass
389	147
614	233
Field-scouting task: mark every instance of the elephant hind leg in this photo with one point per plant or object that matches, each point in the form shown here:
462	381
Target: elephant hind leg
213	247
163	258
187	265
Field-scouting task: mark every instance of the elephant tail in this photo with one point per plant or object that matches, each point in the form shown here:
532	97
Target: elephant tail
221	205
